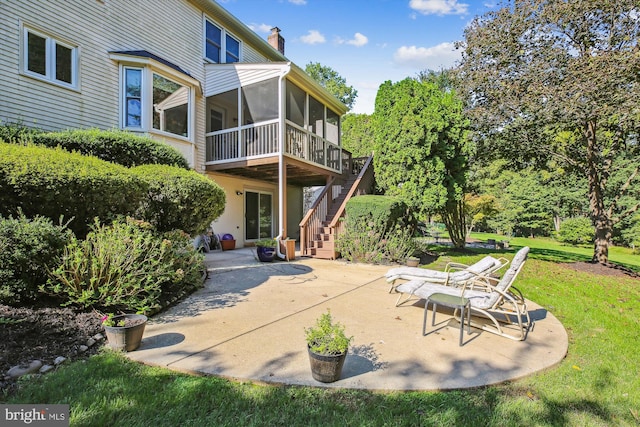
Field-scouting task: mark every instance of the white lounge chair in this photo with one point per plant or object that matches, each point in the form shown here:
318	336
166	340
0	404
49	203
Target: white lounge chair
454	274
495	299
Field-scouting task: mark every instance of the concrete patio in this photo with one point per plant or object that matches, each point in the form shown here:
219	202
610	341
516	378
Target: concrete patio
248	324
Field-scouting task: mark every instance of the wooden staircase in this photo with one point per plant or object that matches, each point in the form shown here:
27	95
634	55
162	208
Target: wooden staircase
321	226
324	243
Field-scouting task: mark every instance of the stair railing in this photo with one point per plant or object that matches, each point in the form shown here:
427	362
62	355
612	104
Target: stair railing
312	221
362	185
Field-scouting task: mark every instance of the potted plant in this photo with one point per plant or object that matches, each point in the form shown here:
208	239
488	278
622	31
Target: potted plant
327	345
124	331
266	249
412	261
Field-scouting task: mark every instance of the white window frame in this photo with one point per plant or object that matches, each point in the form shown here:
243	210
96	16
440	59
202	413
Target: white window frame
223	42
50	62
150	67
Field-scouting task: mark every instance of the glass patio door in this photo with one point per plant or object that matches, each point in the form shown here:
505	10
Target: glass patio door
258	215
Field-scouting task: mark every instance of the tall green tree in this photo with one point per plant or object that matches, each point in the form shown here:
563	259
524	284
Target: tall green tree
328	78
422	150
536	68
358	134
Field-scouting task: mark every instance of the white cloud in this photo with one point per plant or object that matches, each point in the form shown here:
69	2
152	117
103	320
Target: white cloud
443	55
298	2
358	40
313	37
439	7
261	28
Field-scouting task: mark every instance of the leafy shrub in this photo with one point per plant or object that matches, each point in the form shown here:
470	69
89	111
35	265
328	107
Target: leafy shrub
28	248
366	241
179	199
55	183
126	266
377	229
576	231
16	133
384	210
327	337
124	148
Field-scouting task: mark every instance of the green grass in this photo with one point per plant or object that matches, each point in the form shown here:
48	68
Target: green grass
597	384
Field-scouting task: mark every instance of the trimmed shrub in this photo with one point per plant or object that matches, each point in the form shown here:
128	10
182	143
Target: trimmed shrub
55	183
16	133
576	231
126	266
381	209
124	148
377	229
28	248
179	199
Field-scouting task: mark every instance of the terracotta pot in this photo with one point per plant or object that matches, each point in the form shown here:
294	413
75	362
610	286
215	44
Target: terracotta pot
228	245
412	262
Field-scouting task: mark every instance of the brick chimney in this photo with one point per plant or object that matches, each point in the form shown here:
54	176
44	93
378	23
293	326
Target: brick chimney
276	40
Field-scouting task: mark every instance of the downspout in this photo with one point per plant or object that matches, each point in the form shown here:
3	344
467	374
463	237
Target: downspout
281	184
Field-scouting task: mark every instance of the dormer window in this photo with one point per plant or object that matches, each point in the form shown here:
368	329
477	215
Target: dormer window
220	46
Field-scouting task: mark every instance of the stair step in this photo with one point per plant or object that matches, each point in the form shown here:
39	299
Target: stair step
324	253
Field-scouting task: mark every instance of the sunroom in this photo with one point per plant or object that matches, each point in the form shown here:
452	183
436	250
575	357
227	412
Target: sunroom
272	122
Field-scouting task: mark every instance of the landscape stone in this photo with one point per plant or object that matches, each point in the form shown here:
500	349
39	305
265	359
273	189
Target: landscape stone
59	360
18	371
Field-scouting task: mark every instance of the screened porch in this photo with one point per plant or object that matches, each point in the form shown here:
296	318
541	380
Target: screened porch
257	111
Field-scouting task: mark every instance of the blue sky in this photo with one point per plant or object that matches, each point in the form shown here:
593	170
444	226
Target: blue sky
366	41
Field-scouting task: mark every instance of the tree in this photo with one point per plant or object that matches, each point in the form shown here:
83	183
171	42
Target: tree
422	150
477	209
536	69
357	134
333	82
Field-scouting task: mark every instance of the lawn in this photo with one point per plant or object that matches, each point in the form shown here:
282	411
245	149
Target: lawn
595	385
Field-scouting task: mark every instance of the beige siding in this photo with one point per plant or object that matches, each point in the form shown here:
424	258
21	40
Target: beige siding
173	31
232	220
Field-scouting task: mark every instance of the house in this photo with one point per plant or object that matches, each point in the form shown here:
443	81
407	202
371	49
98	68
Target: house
190	74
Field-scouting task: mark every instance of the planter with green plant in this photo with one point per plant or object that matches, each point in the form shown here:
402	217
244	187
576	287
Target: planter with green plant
124	331
266	249
327	345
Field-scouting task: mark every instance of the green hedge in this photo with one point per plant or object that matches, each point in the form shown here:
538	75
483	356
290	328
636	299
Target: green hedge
28	249
123	148
378	229
55	183
179	199
381	209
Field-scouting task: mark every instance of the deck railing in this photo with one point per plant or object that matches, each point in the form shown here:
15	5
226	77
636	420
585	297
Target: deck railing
262	139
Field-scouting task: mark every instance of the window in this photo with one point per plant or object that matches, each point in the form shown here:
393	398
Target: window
220	47
164	105
50	59
170	106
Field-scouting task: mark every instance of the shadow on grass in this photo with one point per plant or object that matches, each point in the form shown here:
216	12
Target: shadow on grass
108	389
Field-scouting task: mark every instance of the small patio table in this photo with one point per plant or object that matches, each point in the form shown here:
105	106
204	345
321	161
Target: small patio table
454	302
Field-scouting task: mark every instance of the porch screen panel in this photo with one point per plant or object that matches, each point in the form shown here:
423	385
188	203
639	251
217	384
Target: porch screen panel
260	102
333	127
316	116
223	111
295	104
